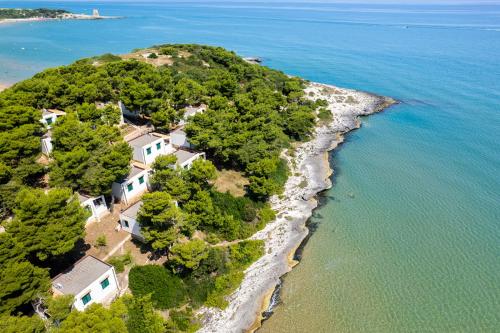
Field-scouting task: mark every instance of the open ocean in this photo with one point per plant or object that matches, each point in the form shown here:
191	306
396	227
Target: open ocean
408	240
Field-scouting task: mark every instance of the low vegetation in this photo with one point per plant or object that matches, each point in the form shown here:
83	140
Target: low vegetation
166	289
119	262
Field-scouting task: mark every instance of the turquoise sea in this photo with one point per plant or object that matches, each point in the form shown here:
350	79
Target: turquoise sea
408	240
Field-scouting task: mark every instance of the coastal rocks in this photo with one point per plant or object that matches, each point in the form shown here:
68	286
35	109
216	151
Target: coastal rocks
310	172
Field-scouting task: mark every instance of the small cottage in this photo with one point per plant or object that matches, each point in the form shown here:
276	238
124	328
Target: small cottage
128	221
89	280
96	206
49	116
149	146
186	158
132	186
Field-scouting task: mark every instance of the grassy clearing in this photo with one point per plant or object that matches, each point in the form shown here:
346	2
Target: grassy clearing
231	181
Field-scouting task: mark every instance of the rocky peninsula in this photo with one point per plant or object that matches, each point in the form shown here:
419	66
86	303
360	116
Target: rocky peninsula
309	174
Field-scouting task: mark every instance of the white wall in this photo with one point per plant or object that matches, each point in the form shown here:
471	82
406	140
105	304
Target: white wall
137	154
96	292
96	211
187	164
155	152
179	140
47	145
121	192
51	116
133	226
140	153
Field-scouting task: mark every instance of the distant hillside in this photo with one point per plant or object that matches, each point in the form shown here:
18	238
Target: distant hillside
12	13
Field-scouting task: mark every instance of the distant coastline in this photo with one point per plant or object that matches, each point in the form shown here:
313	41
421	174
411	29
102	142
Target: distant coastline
37	15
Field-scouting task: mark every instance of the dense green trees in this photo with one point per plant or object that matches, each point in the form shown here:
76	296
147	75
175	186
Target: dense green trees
160	219
253	113
87	156
166	290
47	224
96	319
142	317
22	324
21	282
189	254
59	308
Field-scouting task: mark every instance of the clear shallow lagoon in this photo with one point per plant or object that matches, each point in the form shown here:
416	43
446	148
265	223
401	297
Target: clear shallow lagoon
417	249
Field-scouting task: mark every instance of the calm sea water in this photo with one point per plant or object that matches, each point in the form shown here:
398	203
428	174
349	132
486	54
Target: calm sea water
409	238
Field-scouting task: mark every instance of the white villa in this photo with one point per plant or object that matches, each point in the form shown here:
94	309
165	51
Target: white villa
96	206
90	280
128	221
135	184
149	146
49	116
186	158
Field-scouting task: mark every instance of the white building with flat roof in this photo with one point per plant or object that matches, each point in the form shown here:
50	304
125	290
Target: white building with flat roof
186	158
89	280
147	147
96	206
49	116
132	186
128	221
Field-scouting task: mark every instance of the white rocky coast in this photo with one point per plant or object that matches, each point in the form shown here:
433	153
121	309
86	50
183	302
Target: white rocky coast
310	172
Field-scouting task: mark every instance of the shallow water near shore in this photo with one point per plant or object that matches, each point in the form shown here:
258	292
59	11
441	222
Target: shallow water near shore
409	236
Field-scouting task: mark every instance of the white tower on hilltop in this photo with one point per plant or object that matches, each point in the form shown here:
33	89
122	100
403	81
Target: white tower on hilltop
95	13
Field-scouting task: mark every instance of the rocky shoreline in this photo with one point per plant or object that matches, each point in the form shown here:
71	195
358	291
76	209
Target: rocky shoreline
309	174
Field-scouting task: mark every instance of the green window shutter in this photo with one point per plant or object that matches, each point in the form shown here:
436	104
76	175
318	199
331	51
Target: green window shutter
141	179
87	298
148	151
49	121
158	146
130	187
105	283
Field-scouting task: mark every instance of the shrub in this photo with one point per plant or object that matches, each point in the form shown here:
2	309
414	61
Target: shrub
101	241
167	291
182	321
325	114
153	56
241	256
119	262
241	208
280	175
